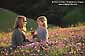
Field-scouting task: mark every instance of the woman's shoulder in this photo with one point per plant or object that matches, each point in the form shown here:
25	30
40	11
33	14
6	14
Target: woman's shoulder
45	29
16	31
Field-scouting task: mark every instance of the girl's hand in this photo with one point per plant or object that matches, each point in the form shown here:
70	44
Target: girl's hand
32	32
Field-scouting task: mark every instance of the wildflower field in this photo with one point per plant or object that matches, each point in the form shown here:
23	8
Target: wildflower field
62	42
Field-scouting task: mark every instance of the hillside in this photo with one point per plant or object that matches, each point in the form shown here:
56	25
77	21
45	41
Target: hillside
7	20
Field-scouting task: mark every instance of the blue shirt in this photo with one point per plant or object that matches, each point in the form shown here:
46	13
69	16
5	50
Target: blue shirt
18	38
42	34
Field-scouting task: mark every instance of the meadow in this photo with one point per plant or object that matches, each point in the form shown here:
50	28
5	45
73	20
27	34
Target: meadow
62	41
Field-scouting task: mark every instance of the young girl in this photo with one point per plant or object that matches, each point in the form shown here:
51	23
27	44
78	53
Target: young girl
42	32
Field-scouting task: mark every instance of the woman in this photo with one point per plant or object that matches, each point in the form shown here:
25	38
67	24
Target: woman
18	36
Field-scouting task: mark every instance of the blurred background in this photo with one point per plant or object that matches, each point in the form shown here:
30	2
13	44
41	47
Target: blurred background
61	16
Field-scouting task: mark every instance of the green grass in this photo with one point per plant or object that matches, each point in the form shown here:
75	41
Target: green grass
1	35
6	19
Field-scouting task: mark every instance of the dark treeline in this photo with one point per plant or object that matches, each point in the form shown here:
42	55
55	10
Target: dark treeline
35	8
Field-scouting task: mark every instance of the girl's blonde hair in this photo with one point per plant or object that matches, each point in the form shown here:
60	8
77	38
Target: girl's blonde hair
44	20
19	22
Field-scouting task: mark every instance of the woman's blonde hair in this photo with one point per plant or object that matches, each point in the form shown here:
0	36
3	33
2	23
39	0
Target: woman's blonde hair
44	20
19	22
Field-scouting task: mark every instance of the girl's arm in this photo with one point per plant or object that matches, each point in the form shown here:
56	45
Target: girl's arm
34	34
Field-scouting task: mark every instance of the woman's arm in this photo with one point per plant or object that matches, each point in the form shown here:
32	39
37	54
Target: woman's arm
18	38
45	34
34	34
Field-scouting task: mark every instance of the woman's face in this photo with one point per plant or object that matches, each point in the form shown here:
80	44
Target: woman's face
24	24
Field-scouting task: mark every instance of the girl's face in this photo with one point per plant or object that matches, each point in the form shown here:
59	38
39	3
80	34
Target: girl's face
40	23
